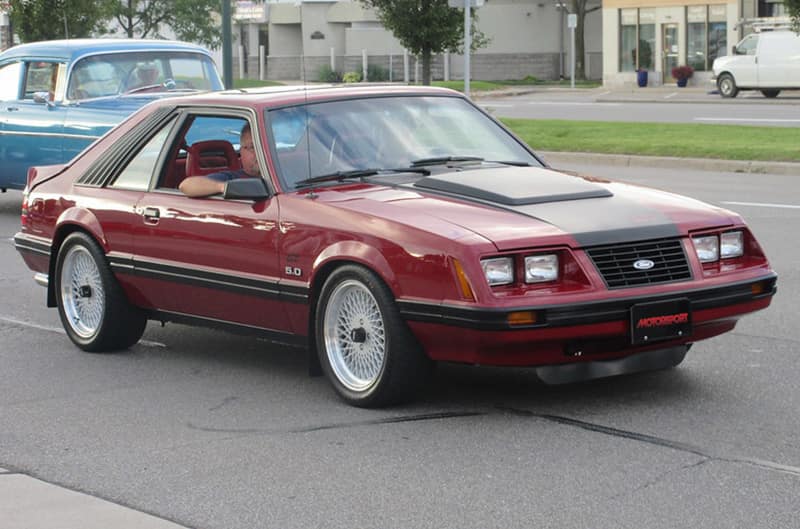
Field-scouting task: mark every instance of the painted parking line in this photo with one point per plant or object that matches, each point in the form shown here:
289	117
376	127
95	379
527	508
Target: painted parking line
573	103
670	96
59	330
762	205
751	120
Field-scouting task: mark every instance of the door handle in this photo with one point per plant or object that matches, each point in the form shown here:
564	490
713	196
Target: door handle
151	214
12	109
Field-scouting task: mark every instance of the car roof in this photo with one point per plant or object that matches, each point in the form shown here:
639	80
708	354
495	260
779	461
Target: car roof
276	96
73	49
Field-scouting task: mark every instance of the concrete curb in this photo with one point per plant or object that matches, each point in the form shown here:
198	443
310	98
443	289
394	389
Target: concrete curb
28	503
701	164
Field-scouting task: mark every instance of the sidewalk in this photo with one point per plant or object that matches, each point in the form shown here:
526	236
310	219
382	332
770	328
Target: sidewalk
28	503
699	164
705	93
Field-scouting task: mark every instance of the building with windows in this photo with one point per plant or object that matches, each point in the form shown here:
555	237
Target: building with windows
297	39
6	38
657	35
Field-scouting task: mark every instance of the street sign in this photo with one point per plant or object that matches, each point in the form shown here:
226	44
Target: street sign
460	3
572	21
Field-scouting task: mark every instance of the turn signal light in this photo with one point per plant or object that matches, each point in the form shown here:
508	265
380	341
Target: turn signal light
463	283
527	317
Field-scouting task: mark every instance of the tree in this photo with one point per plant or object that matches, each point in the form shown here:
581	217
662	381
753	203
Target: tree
793	8
580	8
426	27
58	19
190	20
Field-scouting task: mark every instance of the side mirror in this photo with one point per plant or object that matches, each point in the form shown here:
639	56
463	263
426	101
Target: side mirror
734	51
246	189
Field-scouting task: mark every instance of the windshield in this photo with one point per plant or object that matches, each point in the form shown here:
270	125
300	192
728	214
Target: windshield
385	133
130	72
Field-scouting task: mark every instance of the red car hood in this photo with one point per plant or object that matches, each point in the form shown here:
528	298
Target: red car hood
517	207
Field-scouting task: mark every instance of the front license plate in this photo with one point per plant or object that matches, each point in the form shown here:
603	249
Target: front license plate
660	320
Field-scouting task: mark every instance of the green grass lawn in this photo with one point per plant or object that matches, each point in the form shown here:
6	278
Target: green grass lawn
479	86
253	83
730	142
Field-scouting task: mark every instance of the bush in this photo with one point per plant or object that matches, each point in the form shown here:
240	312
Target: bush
682	72
352	77
377	73
328	75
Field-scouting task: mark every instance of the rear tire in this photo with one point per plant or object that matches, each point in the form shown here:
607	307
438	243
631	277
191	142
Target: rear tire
93	308
771	93
727	85
365	348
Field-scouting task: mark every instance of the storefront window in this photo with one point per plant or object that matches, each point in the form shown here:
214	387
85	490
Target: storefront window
696	45
627	40
637	42
647	46
717	33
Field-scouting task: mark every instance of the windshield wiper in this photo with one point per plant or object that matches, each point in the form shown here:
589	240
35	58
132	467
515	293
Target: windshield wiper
444	159
515	163
358	173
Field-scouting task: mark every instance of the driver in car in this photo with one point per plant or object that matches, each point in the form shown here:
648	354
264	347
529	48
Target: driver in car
214	183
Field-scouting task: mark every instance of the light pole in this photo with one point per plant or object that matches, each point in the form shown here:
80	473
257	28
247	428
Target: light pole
227	47
562	8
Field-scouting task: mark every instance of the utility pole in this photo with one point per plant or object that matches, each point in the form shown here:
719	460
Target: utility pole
467	45
227	46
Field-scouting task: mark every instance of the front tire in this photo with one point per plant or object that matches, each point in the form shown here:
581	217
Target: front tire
771	93
93	308
727	86
365	349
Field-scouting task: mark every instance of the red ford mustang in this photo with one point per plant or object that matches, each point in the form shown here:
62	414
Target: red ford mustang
393	227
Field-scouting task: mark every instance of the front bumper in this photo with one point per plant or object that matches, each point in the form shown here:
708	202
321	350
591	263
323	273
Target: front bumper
595	331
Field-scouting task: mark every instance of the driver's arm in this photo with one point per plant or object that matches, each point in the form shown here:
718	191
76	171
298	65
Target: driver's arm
201	186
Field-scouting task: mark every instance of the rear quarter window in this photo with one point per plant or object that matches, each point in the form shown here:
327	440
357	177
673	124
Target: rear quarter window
9	81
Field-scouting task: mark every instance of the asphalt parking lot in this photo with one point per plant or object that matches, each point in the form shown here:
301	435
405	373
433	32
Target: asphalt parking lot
208	430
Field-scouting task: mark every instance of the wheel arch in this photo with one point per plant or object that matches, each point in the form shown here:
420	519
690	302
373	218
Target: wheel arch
71	221
329	260
351	252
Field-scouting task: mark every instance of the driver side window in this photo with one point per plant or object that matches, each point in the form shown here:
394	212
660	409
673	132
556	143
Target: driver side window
208	144
747	46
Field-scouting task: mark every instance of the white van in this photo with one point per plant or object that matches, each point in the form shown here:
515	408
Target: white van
767	61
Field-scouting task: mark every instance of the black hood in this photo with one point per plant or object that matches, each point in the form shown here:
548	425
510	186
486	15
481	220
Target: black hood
588	210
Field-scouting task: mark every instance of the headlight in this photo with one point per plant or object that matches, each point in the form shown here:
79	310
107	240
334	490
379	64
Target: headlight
731	244
707	248
541	268
498	271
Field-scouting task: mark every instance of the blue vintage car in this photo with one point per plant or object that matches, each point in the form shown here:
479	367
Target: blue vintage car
57	97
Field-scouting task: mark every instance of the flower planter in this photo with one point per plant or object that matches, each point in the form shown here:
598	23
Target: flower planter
641	78
682	82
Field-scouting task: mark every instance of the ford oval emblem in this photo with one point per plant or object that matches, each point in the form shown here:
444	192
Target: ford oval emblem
643	264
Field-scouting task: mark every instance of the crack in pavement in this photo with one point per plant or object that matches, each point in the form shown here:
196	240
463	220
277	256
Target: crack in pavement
340	425
658	441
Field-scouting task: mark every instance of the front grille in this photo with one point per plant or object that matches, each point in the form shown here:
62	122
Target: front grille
615	263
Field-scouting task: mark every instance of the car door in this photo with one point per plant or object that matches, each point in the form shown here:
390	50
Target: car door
211	259
10	79
34	121
745	72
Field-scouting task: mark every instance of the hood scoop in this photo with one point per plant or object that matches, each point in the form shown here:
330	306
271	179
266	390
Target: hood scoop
513	186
